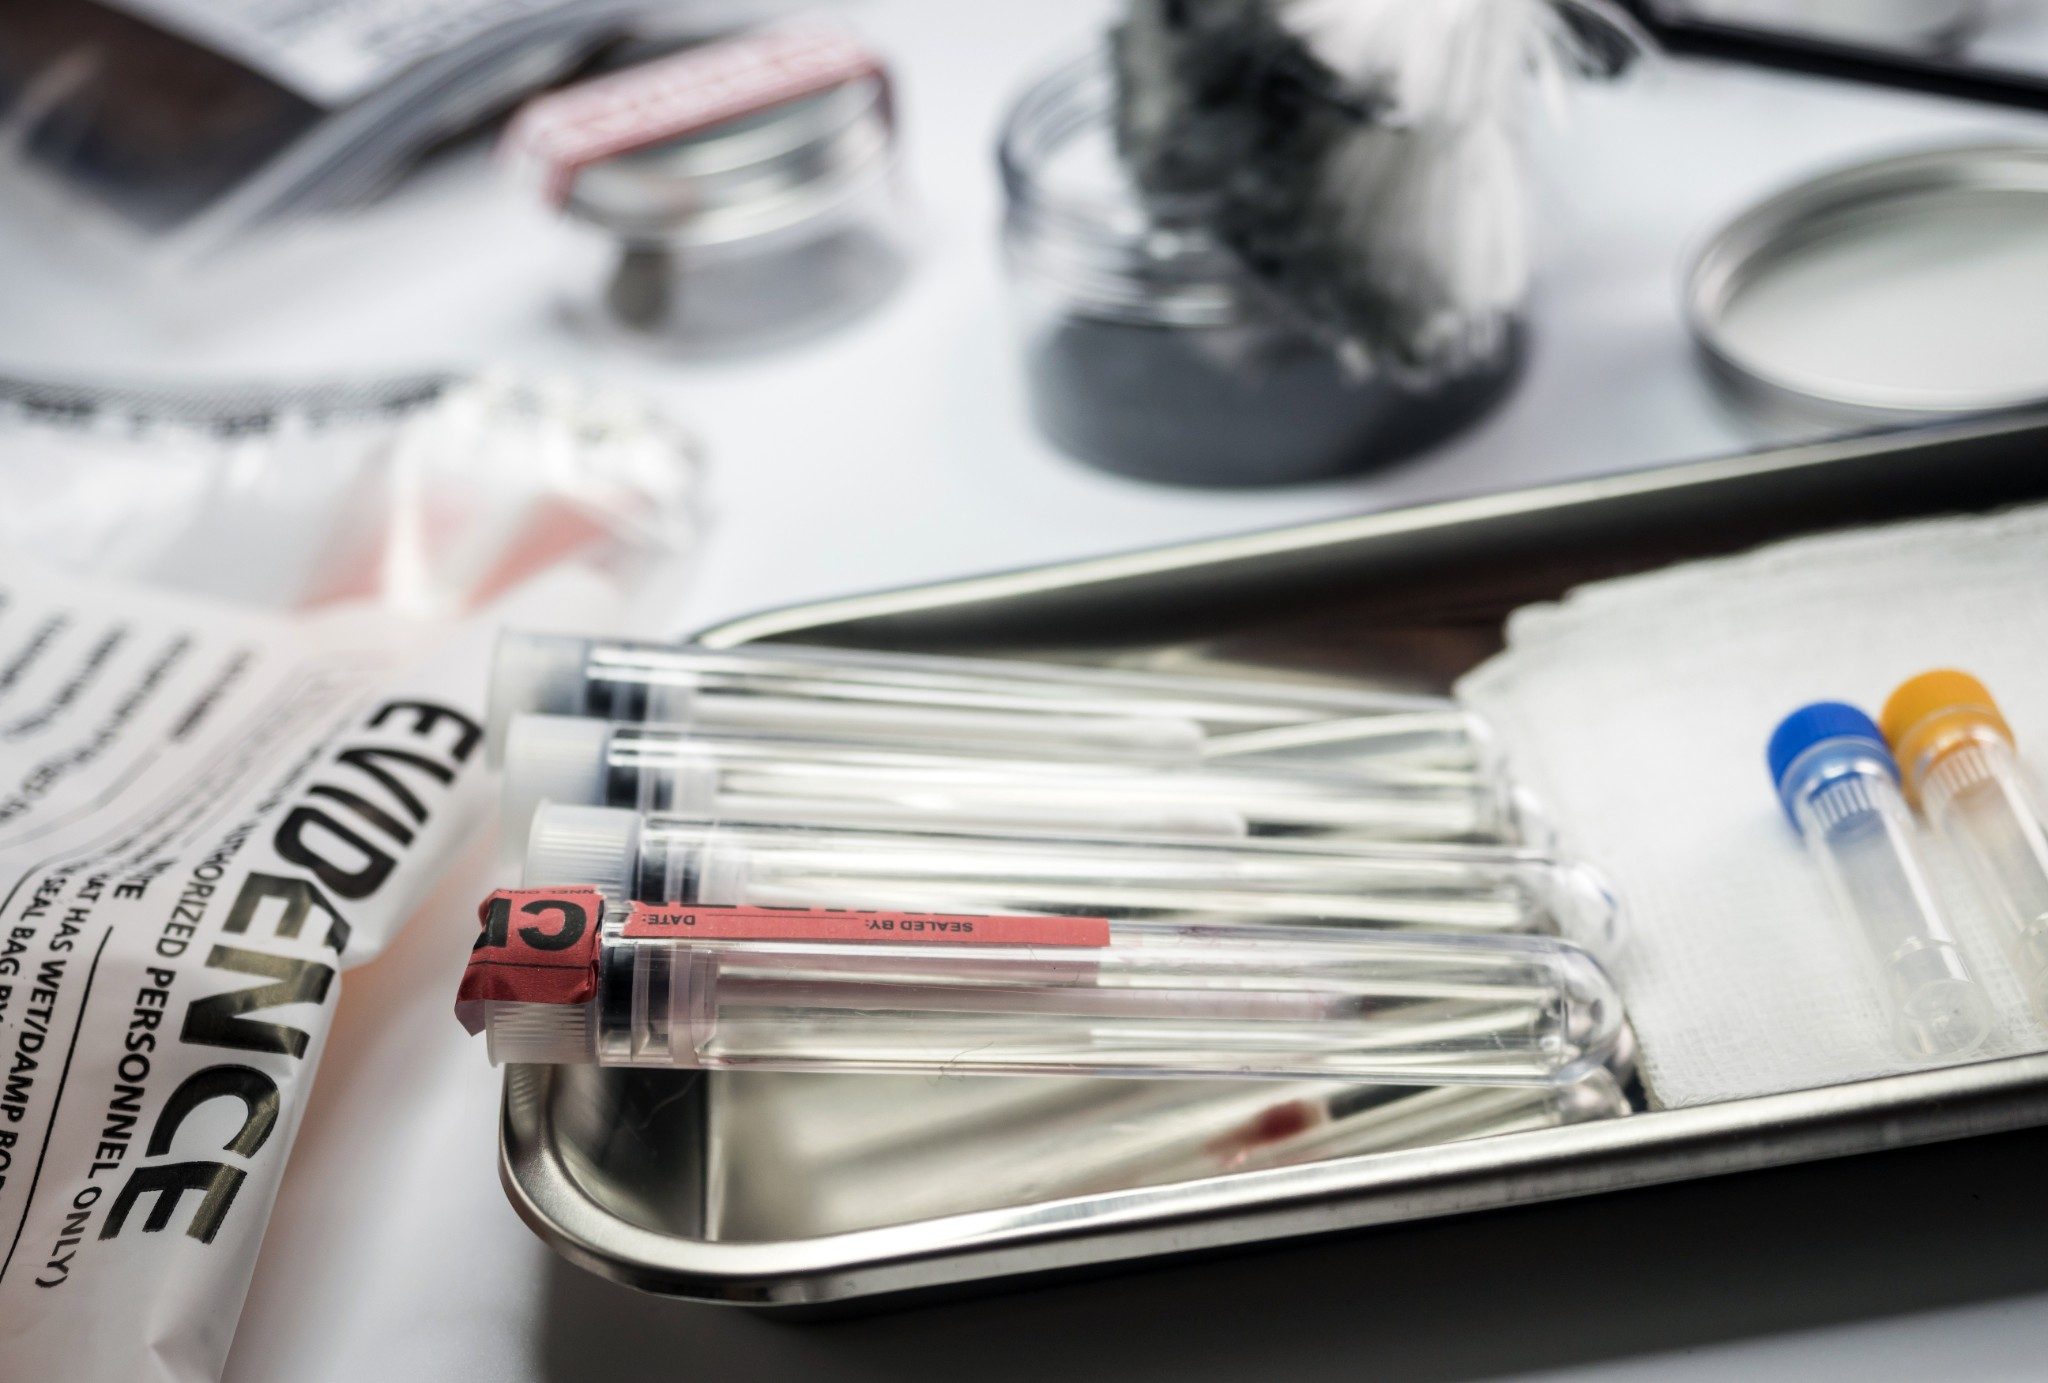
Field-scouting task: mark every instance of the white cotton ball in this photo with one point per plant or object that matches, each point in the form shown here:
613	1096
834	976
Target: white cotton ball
1431	200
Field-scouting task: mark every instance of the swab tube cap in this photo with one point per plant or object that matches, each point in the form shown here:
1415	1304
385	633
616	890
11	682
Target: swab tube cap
1790	752
541	673
608	848
553	759
1930	714
598	846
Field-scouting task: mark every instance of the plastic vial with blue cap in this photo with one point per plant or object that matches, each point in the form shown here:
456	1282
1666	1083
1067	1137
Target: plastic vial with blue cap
1840	785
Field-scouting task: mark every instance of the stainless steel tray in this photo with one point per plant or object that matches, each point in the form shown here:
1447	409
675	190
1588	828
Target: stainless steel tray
737	1189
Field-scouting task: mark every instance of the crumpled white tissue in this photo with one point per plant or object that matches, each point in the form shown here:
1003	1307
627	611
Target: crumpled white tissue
1638	709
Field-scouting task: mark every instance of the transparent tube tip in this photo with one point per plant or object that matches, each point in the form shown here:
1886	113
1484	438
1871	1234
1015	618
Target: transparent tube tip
1593	1018
1587	908
1522	819
532	673
1942	1011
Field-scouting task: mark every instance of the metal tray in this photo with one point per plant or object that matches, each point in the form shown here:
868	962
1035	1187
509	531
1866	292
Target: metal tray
733	1188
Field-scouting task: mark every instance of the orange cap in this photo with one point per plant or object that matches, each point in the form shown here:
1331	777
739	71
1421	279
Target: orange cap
1934	712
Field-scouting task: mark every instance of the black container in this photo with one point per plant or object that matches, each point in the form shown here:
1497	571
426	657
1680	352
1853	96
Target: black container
1152	353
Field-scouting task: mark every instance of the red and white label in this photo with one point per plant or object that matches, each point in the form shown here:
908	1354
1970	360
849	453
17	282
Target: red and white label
540	945
535	946
556	136
649	922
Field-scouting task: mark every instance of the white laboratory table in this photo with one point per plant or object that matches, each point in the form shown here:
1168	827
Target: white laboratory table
895	451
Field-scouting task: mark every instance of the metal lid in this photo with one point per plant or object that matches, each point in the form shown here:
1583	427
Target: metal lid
1914	285
748	177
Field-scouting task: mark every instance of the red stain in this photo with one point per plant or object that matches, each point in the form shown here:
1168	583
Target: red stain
1275	1125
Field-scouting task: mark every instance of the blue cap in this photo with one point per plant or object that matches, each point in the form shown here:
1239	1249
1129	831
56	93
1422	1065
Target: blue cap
1816	724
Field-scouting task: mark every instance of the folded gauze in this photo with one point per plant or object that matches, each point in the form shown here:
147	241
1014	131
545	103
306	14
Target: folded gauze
1638	710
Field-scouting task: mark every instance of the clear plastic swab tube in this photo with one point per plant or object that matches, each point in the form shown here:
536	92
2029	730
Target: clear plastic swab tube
1443	888
1087	1137
898	1142
1838	782
579	677
630	682
1956	756
748	989
1217	1129
660	769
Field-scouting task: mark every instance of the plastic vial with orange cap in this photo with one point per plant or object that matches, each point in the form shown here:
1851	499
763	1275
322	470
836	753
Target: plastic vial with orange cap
1957	759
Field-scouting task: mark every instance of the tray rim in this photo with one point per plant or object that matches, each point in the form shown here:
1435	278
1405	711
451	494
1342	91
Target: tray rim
787	622
1330	1197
